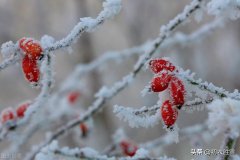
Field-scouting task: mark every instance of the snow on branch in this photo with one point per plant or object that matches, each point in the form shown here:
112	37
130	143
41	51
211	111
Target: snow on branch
106	94
110	9
46	82
211	88
134	119
88	24
224	8
53	150
118	56
150	116
168	139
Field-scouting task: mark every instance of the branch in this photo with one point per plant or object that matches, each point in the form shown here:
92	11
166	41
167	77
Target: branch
228	145
110	9
166	139
46	70
119	86
53	150
211	88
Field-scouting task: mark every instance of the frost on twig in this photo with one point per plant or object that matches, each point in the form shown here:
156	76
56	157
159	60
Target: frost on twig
134	119
46	83
211	88
167	139
47	80
229	8
224	116
110	9
119	86
53	151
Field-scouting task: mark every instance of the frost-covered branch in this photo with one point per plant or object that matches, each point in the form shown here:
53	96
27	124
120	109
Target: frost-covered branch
88	24
110	9
149	116
219	91
168	139
228	145
46	82
53	150
106	94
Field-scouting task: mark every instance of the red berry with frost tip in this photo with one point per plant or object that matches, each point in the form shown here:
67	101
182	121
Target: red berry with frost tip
157	65
30	47
30	69
161	82
128	148
22	109
177	92
8	114
84	129
169	114
73	97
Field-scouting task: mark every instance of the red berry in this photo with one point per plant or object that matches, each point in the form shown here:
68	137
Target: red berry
31	47
7	114
177	91
128	148
169	113
30	69
21	109
73	96
157	65
84	129
160	83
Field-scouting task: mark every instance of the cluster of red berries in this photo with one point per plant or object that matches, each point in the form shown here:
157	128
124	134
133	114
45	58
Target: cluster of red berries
165	79
32	52
11	115
128	148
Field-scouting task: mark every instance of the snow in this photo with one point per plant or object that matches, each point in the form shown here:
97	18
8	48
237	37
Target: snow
224	116
224	8
140	154
48	152
8	49
110	9
127	114
46	41
109	92
119	135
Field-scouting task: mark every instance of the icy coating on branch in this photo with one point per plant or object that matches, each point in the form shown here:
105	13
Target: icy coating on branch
225	8
110	9
224	116
223	106
108	93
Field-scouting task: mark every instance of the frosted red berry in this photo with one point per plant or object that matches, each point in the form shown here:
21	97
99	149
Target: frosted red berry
31	48
177	91
30	69
73	97
161	82
128	148
157	65
169	113
22	109
84	129
7	115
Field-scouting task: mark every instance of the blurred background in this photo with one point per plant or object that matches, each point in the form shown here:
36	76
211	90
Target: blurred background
215	59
